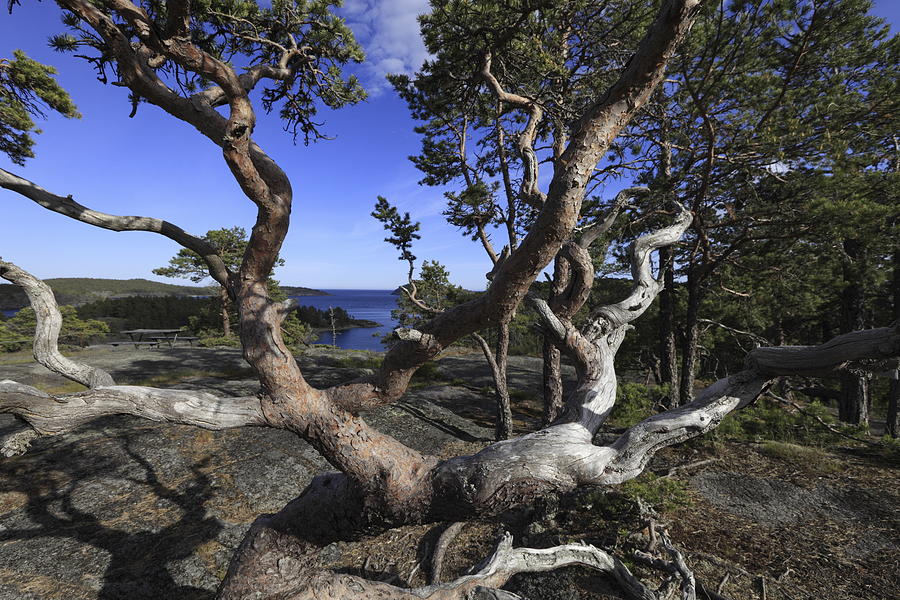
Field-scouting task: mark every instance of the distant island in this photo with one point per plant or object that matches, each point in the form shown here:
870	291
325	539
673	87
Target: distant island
293	290
321	319
81	290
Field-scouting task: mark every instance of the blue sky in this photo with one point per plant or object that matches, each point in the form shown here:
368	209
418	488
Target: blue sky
152	165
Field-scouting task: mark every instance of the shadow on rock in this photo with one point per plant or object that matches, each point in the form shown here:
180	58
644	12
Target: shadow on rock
118	509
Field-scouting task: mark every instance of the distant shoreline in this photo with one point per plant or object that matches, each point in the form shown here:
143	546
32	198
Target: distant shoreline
354	324
82	290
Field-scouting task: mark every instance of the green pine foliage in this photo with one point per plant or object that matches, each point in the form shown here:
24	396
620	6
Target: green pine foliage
433	288
248	32
27	89
230	244
153	312
322	318
76	331
402	229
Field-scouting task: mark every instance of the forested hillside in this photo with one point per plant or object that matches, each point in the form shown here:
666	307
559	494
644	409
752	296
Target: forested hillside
80	290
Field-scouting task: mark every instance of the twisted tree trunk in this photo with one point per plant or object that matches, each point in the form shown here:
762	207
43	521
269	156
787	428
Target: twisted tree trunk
853	406
552	370
668	355
224	303
892	419
691	338
497	361
504	424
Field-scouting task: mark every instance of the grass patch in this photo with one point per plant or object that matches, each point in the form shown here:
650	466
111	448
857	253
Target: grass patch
608	514
428	372
356	362
890	449
806	457
521	395
16	358
70	387
174	377
663	493
767	420
219	341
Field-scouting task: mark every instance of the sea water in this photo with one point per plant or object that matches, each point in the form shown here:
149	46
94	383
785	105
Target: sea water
371	305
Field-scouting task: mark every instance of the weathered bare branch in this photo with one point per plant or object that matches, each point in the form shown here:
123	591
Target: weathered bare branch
507	561
757	339
530	192
868	350
65	205
294	579
590	234
49	323
411	290
440	549
562	456
645	286
49	414
688	584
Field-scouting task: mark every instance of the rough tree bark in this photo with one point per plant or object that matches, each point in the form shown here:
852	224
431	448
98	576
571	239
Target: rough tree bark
552	365
551	381
892	419
691	337
568	296
853	406
668	355
497	361
224	301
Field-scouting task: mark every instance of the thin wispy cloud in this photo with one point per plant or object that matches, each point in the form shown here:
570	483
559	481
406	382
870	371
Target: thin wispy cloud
389	33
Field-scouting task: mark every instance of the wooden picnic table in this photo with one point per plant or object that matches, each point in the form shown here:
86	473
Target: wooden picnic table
154	336
171	339
137	335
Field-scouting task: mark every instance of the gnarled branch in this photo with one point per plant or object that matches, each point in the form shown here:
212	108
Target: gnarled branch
590	233
868	350
49	414
529	189
65	205
49	323
645	286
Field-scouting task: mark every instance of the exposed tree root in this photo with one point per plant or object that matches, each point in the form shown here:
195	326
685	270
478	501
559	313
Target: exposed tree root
440	549
820	420
47	328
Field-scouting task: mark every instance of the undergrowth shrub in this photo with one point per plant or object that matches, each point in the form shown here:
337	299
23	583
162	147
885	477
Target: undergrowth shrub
212	341
428	372
634	403
808	458
662	493
770	420
356	362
